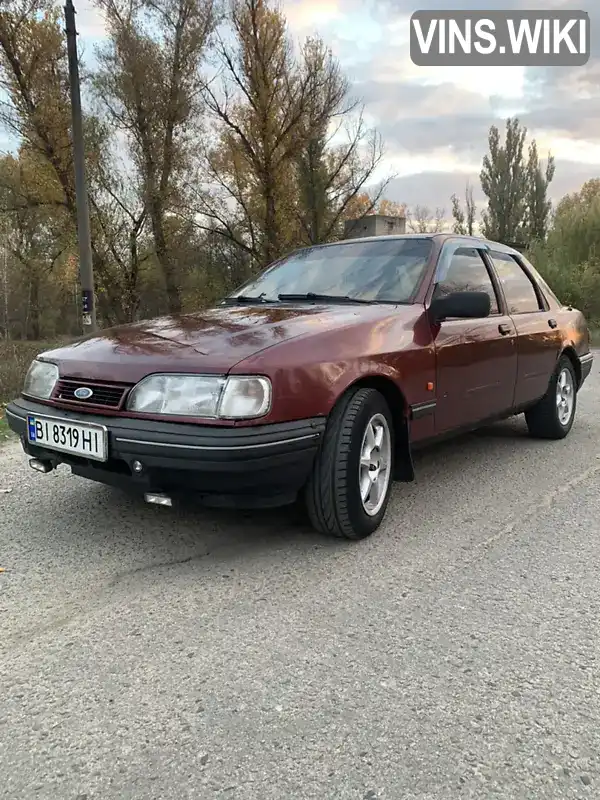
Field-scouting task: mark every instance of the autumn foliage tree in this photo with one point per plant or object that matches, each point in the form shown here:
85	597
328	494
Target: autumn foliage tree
37	183
194	181
34	76
292	151
258	109
365	203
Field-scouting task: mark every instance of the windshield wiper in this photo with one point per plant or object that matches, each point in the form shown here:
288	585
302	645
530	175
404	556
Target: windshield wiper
311	297
243	299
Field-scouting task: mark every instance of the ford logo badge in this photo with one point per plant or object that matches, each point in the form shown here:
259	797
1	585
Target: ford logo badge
83	393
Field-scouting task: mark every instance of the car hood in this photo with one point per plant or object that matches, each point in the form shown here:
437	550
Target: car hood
211	341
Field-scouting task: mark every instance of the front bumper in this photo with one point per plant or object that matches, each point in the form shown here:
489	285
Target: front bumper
254	465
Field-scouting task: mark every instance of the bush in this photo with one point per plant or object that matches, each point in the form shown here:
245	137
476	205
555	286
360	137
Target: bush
577	284
15	358
570	257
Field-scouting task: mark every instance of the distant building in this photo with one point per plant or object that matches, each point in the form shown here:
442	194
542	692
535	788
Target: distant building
374	225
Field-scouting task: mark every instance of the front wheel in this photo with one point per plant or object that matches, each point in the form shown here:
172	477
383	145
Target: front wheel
350	484
552	417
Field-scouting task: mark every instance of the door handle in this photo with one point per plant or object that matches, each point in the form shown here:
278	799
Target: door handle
553	323
504	329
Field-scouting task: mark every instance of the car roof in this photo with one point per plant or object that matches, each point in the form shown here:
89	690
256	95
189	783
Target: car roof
473	241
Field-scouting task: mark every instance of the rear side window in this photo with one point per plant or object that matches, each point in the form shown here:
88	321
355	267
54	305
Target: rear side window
467	272
520	293
541	282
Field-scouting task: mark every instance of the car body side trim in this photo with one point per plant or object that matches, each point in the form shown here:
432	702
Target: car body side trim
420	410
217	447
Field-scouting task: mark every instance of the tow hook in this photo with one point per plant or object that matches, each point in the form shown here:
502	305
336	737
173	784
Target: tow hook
158	499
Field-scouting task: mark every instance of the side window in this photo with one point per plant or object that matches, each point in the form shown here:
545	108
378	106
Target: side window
520	293
467	272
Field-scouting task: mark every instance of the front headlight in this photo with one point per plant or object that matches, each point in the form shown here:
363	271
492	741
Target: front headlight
40	379
237	397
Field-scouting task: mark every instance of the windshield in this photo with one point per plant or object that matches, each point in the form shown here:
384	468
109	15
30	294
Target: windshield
377	271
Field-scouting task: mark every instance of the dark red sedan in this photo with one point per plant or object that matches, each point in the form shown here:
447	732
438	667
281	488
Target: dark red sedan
318	378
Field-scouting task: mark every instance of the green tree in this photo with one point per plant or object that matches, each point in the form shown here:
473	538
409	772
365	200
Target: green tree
539	206
569	258
504	180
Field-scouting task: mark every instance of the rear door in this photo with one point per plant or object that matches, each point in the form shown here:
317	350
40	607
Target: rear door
476	359
539	340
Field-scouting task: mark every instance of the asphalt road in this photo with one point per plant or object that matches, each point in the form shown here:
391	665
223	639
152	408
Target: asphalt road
152	653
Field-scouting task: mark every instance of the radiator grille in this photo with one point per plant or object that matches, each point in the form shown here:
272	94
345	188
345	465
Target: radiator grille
104	395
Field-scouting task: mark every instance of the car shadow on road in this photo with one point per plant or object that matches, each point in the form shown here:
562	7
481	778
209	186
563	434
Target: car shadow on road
147	537
289	524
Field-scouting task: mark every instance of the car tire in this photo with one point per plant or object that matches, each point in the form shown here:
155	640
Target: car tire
552	417
334	502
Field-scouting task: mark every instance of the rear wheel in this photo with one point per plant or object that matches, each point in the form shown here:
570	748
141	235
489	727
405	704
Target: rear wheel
349	488
552	417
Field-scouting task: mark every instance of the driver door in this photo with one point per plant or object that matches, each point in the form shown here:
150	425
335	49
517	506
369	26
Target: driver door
476	359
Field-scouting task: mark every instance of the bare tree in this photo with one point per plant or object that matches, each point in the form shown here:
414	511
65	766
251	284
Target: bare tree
464	220
331	176
422	219
151	82
120	208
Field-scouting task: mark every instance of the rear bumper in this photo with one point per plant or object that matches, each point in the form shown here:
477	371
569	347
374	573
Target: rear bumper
228	466
586	361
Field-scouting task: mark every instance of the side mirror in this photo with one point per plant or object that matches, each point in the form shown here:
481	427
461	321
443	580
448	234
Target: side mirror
472	305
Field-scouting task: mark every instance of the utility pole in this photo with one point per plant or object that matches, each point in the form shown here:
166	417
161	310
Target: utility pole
86	268
5	278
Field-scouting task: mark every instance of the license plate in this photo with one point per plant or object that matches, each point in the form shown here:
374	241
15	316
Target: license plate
88	441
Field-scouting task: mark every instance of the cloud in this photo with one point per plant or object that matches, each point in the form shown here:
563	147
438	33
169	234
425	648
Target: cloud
304	15
435	121
419	119
435	188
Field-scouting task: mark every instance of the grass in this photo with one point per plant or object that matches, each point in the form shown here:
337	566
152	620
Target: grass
5	431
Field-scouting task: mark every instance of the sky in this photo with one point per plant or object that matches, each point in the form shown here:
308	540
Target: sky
435	121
